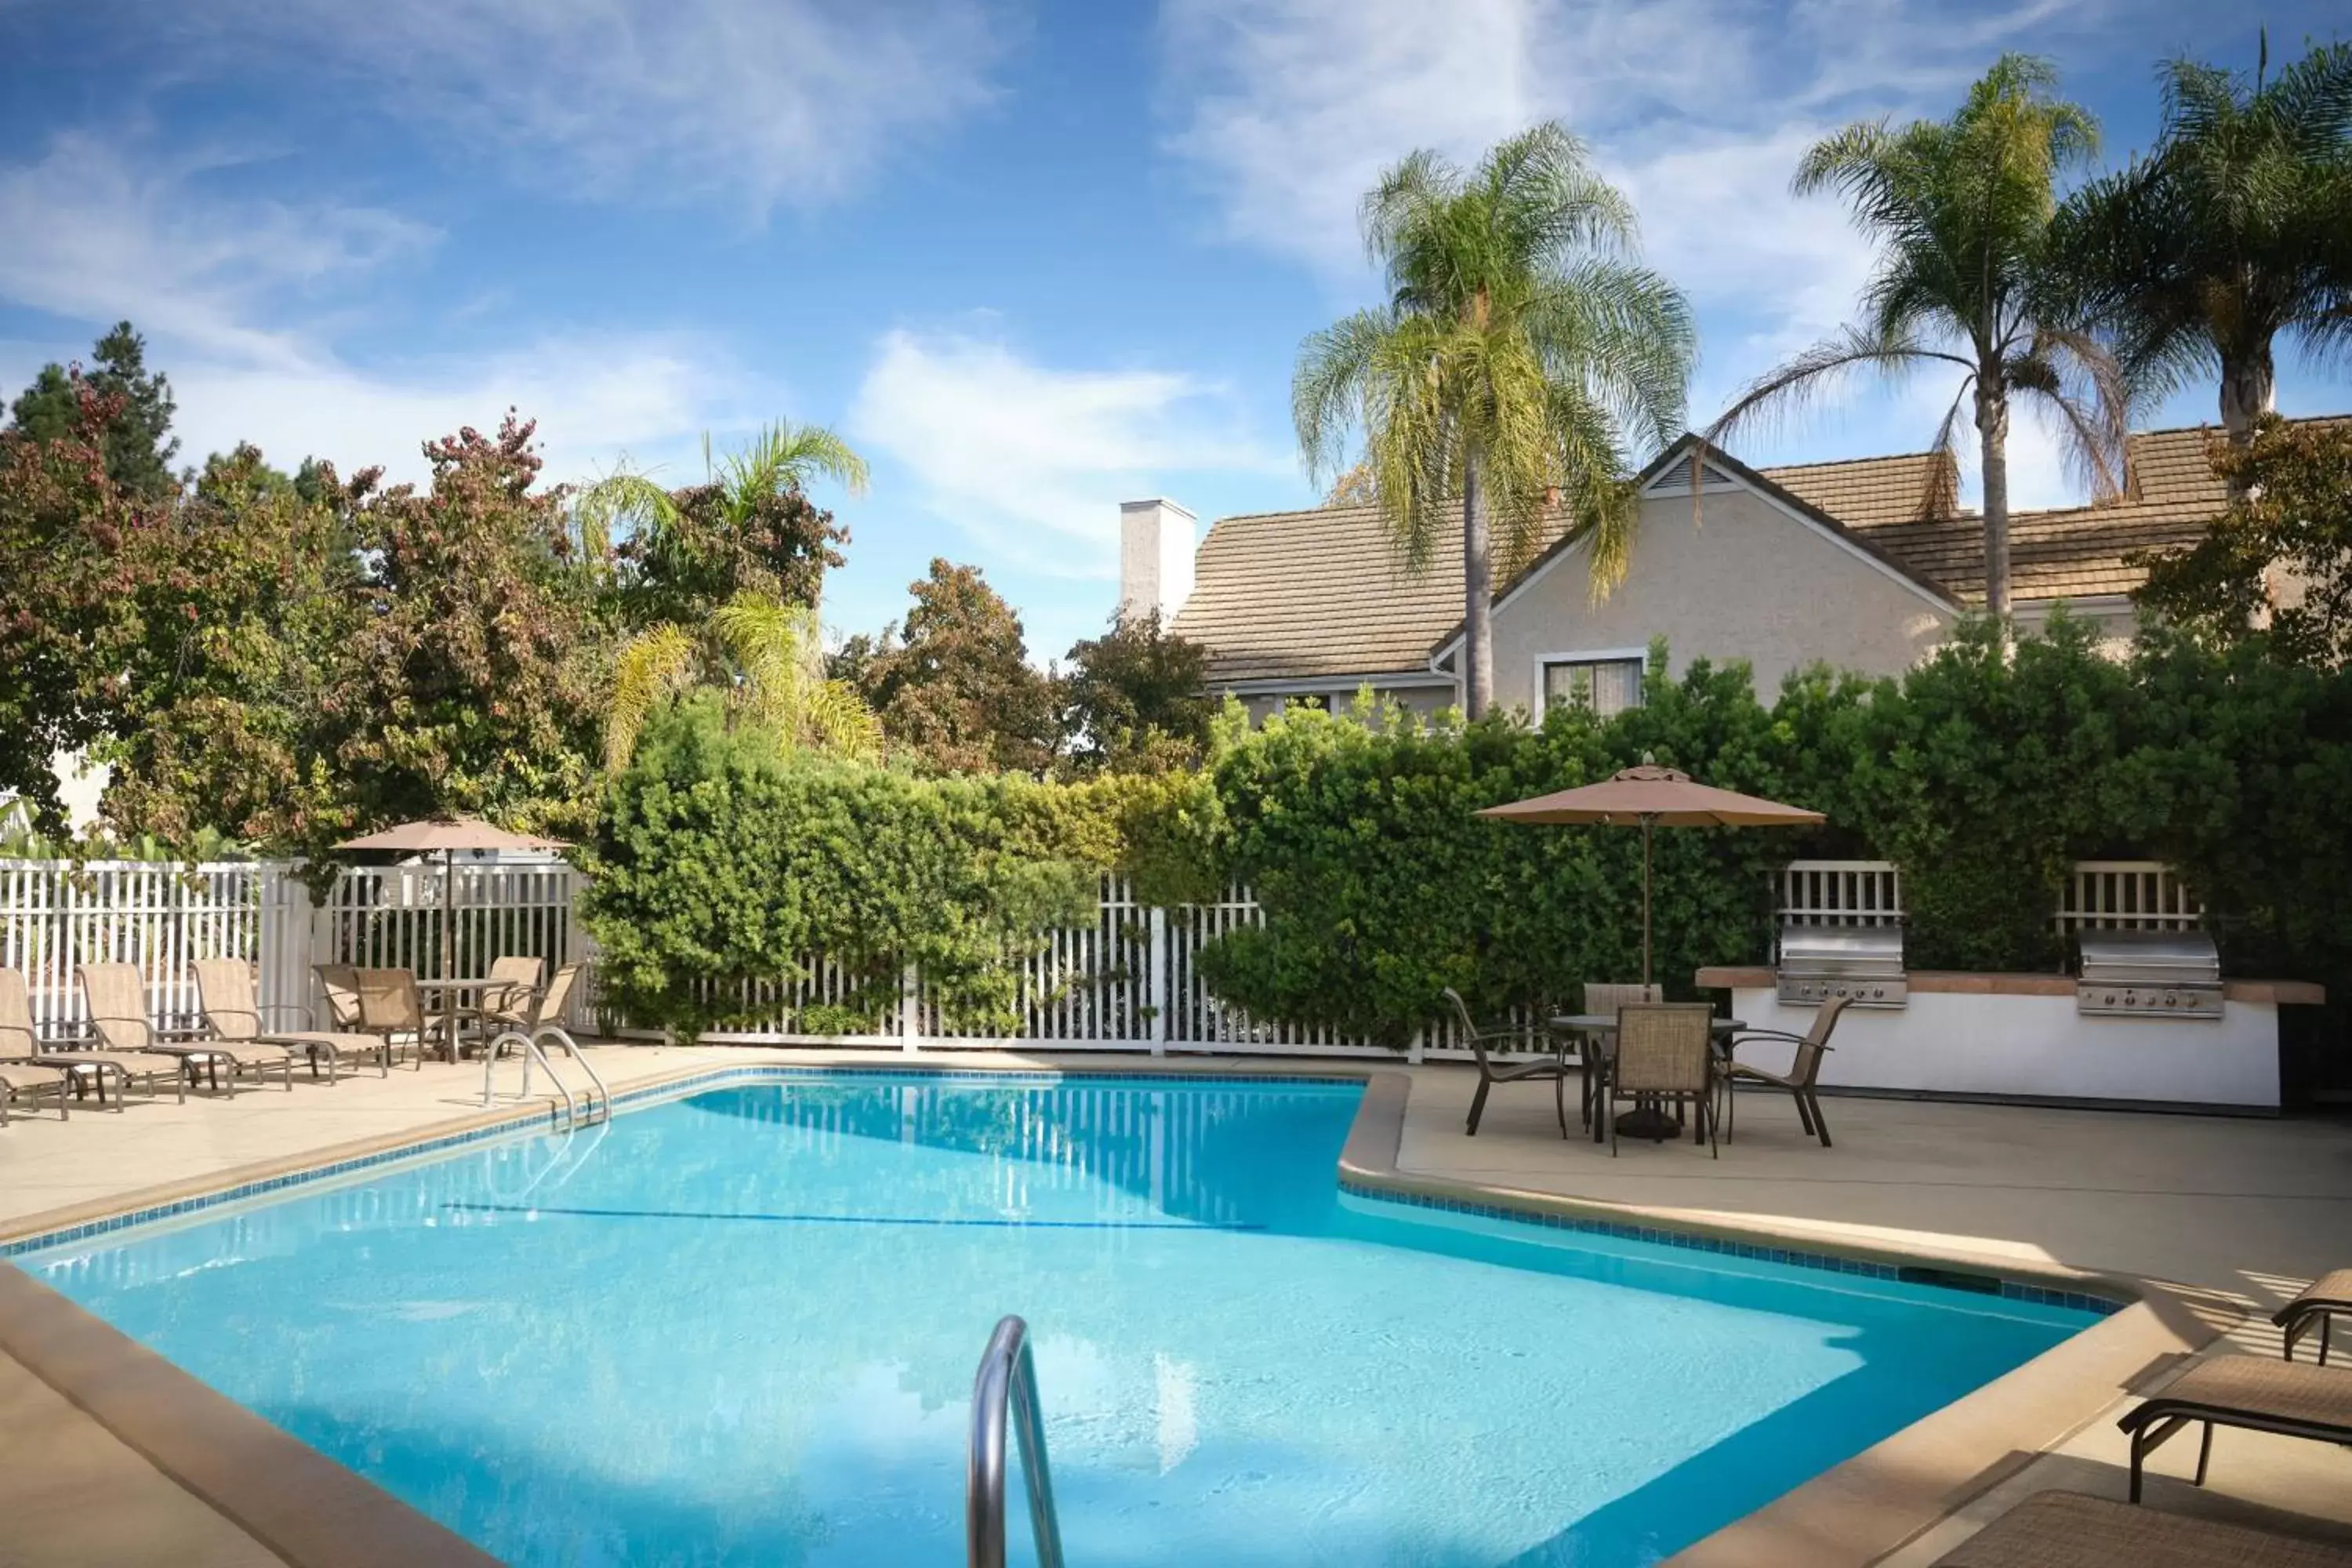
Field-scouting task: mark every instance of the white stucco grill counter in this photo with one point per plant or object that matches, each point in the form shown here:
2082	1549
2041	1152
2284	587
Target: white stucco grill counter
2020	1035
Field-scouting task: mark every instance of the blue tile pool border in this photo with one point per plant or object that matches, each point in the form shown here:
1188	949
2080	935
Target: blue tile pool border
782	1073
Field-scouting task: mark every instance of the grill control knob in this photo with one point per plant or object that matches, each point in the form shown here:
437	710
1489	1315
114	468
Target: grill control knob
1877	993
2170	999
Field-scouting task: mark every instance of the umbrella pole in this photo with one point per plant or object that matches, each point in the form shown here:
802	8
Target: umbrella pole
1646	822
448	927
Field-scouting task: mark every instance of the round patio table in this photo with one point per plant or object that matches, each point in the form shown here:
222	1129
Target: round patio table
1645	1120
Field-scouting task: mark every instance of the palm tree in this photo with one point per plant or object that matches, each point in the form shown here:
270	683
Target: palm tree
1520	345
768	659
782	457
2237	229
1961	209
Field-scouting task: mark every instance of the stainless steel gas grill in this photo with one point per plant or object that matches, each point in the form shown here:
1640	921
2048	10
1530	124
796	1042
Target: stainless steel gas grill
1862	963
2149	975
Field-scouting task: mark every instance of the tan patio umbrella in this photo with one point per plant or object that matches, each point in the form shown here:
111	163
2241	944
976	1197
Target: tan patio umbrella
446	836
1651	796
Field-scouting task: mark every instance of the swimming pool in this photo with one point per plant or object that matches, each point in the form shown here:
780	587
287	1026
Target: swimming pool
741	1327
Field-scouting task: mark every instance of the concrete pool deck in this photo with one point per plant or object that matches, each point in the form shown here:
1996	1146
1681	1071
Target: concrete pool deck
2246	1209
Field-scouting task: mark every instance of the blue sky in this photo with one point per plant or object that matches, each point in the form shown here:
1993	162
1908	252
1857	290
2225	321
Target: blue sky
1034	259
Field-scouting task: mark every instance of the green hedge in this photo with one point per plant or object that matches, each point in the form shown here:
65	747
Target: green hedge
1984	773
719	863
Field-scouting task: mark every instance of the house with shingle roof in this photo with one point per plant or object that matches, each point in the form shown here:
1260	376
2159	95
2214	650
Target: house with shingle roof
1865	564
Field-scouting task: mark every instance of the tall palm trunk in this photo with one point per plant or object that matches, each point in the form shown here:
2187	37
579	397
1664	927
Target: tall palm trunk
1992	436
2249	391
1477	592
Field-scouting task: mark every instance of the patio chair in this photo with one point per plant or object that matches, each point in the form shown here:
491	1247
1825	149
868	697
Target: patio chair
1490	1073
2068	1530
1602	1000
391	1006
20	1043
2254	1393
2325	1297
224	990
339	982
117	997
508	1000
1804	1070
1662	1054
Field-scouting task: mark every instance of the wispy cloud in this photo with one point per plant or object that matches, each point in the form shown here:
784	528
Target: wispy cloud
1034	460
95	231
747	101
1289	108
239	299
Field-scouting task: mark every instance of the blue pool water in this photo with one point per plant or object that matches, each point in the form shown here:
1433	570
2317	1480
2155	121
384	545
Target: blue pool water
741	1327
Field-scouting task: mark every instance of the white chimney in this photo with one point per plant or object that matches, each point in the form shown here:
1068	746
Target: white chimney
1155	558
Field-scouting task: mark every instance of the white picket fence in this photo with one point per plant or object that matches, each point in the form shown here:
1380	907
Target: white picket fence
1129	981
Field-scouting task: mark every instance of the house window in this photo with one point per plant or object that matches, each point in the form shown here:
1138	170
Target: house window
1603	685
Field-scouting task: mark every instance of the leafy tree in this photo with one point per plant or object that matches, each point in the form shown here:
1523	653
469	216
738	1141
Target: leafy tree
2236	231
475	672
748	528
2277	565
73	543
1518	352
1136	699
247	611
956	686
137	441
1962	211
764	659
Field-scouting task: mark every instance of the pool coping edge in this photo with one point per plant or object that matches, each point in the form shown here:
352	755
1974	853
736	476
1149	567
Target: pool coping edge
314	1512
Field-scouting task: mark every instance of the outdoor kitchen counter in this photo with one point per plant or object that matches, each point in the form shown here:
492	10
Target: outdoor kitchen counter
2275	992
2023	1037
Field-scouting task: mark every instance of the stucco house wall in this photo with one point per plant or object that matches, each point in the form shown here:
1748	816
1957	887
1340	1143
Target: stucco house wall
1747	579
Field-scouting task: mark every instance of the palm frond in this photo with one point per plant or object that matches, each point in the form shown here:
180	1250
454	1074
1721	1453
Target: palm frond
622	501
653	666
785	456
1800	383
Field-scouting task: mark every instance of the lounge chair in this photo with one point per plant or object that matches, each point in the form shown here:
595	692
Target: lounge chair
1803	1072
2068	1530
2252	1392
1663	1053
1602	1000
224	990
90	1069
117	996
22	1079
1490	1073
2327	1295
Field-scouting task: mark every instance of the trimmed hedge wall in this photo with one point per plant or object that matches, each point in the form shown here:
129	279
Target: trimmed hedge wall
1985	773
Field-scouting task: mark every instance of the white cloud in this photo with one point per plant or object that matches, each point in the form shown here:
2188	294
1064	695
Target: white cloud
1035	460
237	296
1698	109
95	235
751	101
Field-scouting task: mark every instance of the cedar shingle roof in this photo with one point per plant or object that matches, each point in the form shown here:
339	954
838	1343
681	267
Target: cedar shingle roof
2068	552
1321	593
1305	594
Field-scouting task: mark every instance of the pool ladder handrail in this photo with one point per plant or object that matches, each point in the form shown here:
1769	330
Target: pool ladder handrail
1006	1389
532	1053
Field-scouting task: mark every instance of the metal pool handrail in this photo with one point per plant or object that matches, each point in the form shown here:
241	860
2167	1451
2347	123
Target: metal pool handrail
1007	1386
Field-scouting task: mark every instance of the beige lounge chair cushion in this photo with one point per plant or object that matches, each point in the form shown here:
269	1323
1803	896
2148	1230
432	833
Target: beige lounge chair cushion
25	1075
2331	1289
2067	1529
137	1064
2319	1397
